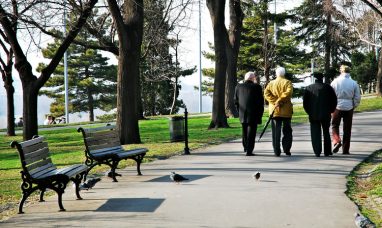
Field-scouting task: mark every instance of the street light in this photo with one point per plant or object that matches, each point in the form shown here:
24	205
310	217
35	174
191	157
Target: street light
200	58
275	26
66	72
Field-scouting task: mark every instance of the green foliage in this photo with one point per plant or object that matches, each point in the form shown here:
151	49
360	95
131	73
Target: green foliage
92	81
107	117
367	192
160	68
311	20
364	68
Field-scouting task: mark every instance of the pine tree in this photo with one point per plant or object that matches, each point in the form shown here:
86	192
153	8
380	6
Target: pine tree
92	81
322	27
159	65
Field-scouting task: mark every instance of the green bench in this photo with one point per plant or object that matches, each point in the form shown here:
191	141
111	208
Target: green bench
102	146
39	173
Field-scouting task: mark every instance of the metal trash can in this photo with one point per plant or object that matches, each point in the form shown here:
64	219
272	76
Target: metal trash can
176	125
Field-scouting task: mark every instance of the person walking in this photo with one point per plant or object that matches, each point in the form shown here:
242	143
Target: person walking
319	101
279	93
249	101
348	98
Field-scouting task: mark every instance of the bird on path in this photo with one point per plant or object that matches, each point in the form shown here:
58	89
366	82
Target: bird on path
177	177
89	184
363	222
256	175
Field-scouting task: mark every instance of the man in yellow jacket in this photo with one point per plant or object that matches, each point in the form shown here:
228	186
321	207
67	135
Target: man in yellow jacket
279	93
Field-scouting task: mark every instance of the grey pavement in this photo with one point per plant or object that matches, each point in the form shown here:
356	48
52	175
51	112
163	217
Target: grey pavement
296	191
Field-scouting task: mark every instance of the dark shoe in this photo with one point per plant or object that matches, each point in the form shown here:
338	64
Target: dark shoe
251	154
328	154
317	155
345	153
336	147
287	153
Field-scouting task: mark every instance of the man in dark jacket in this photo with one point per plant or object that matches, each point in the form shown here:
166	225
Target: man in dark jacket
249	102
319	102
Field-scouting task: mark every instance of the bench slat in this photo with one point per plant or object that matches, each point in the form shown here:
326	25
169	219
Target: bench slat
36	173
90	130
103	134
38	164
37	155
34	147
31	142
131	153
103	141
102	146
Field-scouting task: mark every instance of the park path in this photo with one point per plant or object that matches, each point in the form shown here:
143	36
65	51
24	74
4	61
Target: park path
297	191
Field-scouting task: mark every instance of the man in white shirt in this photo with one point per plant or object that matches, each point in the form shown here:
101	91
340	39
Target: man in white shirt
348	98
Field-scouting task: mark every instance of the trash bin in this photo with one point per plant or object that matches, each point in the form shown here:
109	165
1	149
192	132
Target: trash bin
176	125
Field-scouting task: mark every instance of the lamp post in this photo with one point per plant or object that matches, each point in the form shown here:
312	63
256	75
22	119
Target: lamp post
200	58
275	27
66	72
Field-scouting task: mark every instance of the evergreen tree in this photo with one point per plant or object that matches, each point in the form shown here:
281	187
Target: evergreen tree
321	26
364	69
91	81
160	68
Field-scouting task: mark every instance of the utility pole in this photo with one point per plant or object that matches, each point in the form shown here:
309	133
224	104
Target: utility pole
200	58
275	26
66	72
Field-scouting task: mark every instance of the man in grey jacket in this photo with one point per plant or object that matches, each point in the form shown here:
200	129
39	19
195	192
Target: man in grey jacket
348	98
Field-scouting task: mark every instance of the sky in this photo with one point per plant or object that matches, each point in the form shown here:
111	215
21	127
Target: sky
189	56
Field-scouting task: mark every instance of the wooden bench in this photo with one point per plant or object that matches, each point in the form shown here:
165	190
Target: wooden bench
102	146
39	173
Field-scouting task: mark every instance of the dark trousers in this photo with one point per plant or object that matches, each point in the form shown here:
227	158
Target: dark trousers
347	117
279	123
315	133
248	136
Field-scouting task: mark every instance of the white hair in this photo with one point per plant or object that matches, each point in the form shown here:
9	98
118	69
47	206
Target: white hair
249	75
280	71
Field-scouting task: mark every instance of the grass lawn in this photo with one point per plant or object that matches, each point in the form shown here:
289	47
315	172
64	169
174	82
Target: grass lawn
67	147
365	187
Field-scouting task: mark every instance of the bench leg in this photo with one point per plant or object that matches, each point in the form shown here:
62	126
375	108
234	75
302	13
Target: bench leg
138	159
77	181
42	194
59	188
91	166
26	194
113	168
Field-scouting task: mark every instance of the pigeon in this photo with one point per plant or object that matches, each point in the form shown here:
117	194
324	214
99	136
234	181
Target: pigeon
177	177
90	183
363	222
256	175
110	174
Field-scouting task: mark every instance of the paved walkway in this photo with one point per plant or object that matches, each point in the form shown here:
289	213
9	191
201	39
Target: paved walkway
298	191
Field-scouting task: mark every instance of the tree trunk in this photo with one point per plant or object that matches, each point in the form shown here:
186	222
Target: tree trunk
378	86
30	97
130	32
10	90
175	95
91	106
216	8
234	36
140	115
329	35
